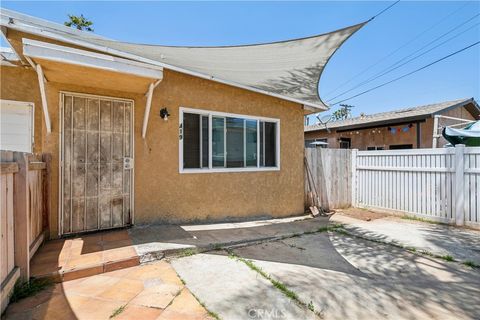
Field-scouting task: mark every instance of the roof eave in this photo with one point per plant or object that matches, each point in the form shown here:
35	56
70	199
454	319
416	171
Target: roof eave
373	123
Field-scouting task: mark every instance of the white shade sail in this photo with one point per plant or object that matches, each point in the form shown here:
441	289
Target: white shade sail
288	69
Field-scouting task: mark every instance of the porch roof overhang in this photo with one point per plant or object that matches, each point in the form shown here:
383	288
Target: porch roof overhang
85	68
74	66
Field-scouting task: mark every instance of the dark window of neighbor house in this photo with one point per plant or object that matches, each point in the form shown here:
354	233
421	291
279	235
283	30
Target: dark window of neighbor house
375	148
400	146
237	143
345	143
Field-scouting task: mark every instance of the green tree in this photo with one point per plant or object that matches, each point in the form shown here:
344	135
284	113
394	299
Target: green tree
79	22
343	113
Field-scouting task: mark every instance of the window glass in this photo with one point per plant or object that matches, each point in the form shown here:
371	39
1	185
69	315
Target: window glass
251	143
205	141
235	142
191	140
218	142
262	143
270	144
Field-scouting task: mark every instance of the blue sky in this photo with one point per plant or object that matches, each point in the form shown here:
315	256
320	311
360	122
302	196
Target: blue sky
231	23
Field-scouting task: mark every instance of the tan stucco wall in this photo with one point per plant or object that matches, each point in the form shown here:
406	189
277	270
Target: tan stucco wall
161	192
363	138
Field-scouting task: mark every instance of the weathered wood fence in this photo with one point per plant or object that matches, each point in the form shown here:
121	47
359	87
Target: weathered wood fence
329	177
24	214
437	184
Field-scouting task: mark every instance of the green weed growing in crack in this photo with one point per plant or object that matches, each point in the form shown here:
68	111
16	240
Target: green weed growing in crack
447	258
26	289
187	252
210	313
117	311
471	264
277	284
217	247
422	220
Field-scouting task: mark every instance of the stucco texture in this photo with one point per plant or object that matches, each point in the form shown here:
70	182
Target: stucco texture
161	193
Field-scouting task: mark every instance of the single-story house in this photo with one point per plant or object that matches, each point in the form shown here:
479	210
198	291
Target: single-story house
145	133
414	127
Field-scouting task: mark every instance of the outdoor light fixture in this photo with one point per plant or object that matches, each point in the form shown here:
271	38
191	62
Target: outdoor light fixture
164	114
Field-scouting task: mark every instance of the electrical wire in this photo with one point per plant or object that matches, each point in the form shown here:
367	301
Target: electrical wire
396	50
387	8
407	74
396	64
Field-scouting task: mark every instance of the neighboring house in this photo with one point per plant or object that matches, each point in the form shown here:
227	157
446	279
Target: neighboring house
232	146
399	129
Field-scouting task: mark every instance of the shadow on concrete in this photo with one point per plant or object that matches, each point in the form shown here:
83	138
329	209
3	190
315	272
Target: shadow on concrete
346	277
412	285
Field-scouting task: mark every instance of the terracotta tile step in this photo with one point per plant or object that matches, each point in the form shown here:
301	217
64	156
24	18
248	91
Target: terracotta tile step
90	270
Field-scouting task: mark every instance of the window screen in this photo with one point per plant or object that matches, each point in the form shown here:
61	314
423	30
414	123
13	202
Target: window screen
236	142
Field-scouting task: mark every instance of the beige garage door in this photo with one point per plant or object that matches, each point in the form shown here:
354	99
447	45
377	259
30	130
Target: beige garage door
97	163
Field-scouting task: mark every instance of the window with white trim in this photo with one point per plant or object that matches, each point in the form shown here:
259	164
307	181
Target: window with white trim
215	142
16	125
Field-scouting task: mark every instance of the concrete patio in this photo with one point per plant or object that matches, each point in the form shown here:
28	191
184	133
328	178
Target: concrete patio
462	244
152	291
336	275
91	254
291	268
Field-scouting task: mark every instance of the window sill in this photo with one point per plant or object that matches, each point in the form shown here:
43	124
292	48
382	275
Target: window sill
229	170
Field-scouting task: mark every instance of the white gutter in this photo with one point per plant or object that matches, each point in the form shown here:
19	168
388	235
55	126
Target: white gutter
53	52
54	36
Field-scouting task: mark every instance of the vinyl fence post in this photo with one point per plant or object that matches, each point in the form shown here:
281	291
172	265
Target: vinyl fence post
354	177
459	185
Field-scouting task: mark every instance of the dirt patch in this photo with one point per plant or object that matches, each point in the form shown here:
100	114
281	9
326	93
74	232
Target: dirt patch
362	214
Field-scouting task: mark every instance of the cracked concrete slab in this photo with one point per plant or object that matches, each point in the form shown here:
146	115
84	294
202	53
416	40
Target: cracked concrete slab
462	244
384	282
233	291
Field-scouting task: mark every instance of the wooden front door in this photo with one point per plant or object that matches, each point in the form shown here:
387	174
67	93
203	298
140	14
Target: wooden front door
97	163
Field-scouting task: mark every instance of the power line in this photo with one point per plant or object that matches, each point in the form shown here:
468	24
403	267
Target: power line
384	10
398	49
407	74
396	64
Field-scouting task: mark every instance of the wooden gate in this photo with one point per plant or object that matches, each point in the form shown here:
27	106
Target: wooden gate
97	163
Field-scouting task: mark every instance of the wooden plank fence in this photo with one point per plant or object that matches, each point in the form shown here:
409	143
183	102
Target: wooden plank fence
24	214
330	176
437	184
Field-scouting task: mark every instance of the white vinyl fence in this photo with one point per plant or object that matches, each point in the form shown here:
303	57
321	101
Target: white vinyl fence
437	184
